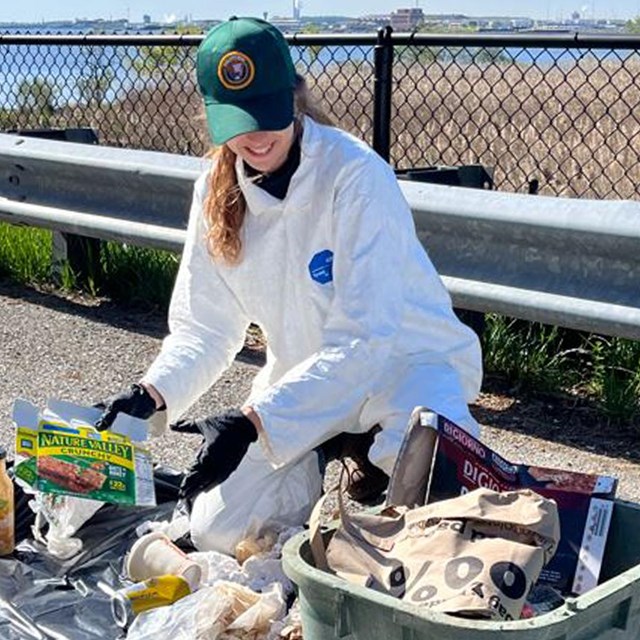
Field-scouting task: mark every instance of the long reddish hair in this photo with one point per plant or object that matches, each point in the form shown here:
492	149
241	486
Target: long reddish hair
224	205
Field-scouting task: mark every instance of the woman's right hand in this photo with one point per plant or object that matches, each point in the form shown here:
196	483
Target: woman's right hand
136	401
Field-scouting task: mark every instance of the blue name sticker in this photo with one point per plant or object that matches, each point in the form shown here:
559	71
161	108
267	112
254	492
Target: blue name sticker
321	267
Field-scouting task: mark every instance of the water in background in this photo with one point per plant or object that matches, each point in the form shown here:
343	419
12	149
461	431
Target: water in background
74	73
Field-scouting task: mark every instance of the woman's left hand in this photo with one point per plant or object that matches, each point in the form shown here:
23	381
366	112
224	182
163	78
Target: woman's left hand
226	440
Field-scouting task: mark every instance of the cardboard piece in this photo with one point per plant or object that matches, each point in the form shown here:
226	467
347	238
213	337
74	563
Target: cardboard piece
58	451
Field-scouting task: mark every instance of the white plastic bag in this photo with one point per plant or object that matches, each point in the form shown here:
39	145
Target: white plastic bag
64	515
247	601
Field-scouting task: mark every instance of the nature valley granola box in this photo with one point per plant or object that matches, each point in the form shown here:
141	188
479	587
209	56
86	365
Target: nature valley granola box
62	454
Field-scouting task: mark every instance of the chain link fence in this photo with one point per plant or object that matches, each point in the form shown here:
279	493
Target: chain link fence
558	115
562	120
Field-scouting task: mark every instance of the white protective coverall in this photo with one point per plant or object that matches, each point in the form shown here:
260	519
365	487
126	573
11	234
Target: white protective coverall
359	327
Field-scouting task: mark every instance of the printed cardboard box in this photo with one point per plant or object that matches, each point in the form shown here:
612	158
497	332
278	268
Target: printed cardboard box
58	451
457	463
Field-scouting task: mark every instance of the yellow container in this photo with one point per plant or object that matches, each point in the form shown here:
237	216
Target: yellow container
161	591
7	531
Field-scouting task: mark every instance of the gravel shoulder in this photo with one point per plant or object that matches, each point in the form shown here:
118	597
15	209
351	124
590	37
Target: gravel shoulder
83	350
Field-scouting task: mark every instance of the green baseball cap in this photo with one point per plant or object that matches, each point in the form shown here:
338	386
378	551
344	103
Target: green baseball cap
246	77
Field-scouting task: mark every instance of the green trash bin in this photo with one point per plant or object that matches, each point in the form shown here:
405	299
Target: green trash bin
332	608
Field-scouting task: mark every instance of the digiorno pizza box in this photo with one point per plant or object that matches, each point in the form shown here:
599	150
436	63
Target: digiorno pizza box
58	451
585	502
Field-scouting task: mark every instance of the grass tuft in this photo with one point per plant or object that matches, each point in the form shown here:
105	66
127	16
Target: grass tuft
138	275
615	378
531	355
25	253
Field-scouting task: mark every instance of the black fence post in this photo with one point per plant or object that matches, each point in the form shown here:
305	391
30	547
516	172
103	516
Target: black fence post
383	72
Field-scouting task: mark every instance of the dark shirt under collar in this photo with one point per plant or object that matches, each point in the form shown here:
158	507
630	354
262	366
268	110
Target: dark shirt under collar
277	183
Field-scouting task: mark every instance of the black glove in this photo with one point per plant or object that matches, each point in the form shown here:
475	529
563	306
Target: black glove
135	401
226	440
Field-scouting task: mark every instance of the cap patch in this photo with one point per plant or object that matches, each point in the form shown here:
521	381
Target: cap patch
236	70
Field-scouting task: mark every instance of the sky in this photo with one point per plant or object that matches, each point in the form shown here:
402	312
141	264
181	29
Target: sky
159	10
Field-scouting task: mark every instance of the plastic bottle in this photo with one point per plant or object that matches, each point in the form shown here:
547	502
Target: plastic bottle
7	535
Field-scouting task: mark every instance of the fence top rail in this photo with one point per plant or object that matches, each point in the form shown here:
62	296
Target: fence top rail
78	39
564	40
567	40
171	39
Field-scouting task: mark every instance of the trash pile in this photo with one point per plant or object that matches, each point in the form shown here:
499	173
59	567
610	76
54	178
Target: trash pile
72	475
222	597
468	533
463	531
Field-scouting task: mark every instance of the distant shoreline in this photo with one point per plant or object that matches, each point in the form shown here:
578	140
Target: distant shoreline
47	28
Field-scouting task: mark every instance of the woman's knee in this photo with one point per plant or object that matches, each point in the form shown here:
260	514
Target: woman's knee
252	501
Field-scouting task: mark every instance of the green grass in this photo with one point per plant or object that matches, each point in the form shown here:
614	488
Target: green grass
615	378
128	274
535	358
135	274
25	253
528	354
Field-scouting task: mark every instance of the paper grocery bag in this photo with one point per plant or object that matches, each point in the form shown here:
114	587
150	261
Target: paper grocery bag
476	555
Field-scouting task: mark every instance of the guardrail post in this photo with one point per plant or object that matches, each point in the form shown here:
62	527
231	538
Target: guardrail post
383	78
81	254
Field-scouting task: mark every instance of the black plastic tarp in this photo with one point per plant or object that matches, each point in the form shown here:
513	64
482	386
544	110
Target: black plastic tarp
44	598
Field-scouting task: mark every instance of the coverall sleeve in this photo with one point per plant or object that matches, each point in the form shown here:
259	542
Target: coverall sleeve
206	324
324	394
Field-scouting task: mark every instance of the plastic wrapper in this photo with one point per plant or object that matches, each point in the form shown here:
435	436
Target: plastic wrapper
222	611
64	516
72	470
542	599
59	451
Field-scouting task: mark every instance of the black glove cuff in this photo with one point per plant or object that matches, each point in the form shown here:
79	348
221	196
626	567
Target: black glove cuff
147	402
240	423
136	402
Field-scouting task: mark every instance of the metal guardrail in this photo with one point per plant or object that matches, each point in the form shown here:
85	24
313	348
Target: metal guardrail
112	194
573	263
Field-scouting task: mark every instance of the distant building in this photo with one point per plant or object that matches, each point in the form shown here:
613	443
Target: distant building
286	25
146	19
520	24
406	19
